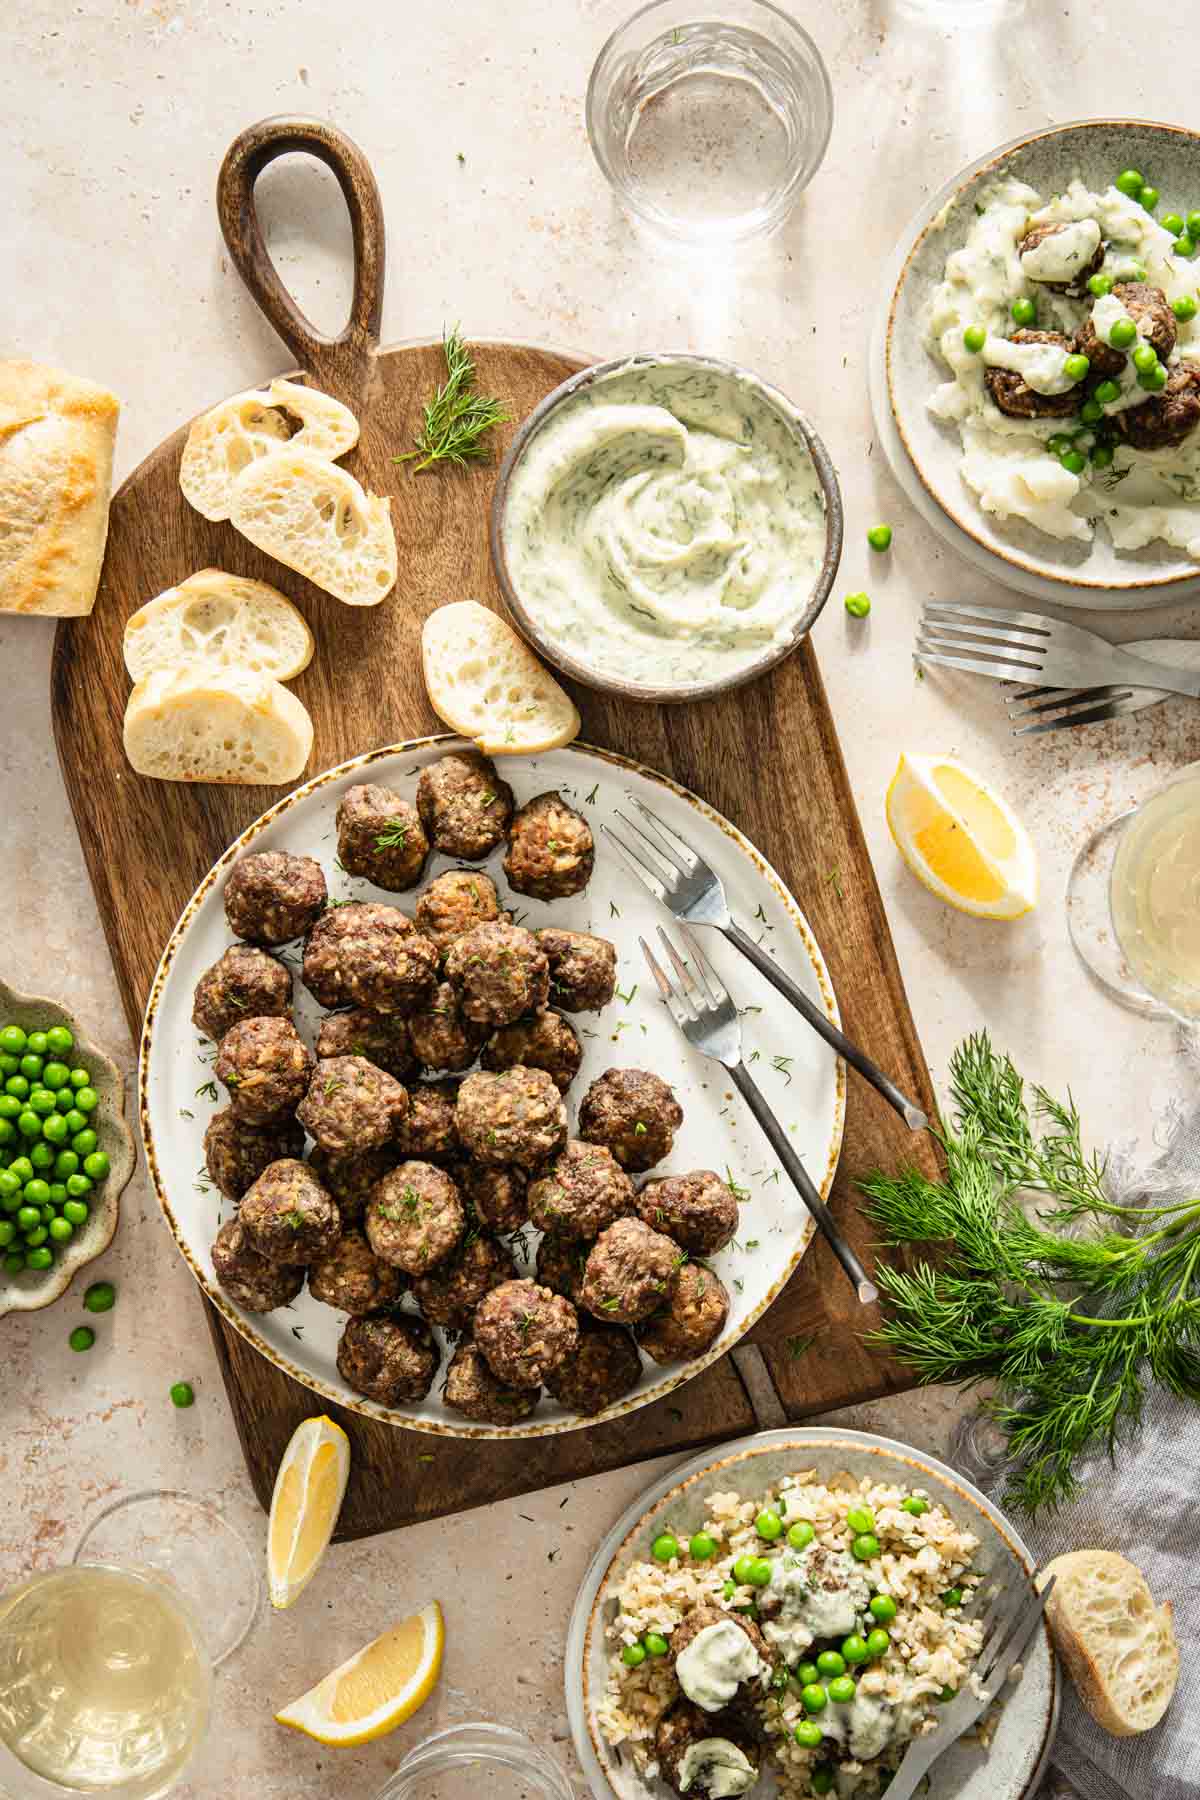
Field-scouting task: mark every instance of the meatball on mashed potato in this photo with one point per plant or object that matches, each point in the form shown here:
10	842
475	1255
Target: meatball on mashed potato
1069	328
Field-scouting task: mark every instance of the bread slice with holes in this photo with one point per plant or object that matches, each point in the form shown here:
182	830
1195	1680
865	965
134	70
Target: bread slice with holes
229	437
200	724
1119	1647
221	621
486	683
313	516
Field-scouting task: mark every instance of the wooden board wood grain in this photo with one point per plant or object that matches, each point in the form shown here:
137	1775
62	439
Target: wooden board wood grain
767	757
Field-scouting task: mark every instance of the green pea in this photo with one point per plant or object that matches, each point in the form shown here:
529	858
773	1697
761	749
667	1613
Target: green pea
974	338
10	1106
75	1121
9	1065
8	1232
1172	222
813	1697
1122	333
56	1075
952	1597
947	1693
80	1078
54	1129
82	1338
843	1689
1149	198
1100	285
854	1649
1102	455
702	1548
880	537
1059	442
100	1297
64	1100
1024	311
1154	381
1076	366
14	1262
28	1217
1130	182
858	605
1184	246
664	1547
822	1780
878	1642
38	1042
47	1212
831	1663
59	1039
96	1165
1192	224
58	1193
1185	307
1074	461
36	1238
84	1142
1091	412
41	1102
61	1230
9	1184
860	1519
21	1168
883	1608
1106	393
1145	356
18	1086
807	1673
728	1588
809	1735
742	1568
12	1040
65	1163
801	1535
31	1067
656	1644
8	1132
40	1257
29	1125
633	1655
865	1547
86	1099
768	1524
37	1192
76	1211
78	1186
182	1395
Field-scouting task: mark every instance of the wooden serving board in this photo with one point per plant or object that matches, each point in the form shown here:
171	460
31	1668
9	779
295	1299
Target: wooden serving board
767	757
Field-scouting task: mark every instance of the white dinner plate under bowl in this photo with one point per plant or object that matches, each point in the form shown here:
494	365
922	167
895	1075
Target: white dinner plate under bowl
925	452
802	1078
1012	1766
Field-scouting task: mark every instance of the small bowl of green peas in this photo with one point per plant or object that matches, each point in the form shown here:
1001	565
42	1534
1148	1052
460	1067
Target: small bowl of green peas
66	1152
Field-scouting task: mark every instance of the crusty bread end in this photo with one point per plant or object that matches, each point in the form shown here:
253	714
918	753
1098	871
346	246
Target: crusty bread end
1120	1649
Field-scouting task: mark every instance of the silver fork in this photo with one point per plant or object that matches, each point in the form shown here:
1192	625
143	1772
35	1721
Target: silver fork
703	1010
1089	706
692	890
1021	646
1008	1625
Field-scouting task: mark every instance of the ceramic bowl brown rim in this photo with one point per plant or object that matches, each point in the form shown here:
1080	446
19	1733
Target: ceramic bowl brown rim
705	690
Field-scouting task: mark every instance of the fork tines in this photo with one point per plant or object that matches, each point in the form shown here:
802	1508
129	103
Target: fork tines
1070	706
983	640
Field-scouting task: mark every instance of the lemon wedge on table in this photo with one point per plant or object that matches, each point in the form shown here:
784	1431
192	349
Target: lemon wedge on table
310	1486
376	1689
961	839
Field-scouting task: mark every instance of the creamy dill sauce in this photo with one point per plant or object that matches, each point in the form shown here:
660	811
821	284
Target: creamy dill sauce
1146	495
666	525
820	1594
714	1665
720	1766
865	1725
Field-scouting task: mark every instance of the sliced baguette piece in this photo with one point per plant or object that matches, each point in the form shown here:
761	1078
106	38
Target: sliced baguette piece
225	440
1119	1647
486	683
316	518
221	620
212	725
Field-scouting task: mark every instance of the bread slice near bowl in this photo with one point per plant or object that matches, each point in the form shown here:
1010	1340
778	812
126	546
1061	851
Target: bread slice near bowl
485	682
201	724
1119	1647
225	621
229	437
317	519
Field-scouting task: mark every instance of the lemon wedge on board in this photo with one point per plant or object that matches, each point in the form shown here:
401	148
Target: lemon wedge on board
310	1486
376	1689
961	839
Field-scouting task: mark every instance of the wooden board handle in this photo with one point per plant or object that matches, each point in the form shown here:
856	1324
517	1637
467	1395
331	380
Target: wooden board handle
341	363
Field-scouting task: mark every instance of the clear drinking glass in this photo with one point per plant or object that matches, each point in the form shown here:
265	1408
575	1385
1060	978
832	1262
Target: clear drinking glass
469	1760
709	116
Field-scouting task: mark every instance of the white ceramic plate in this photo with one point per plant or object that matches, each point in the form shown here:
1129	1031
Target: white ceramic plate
1011	1768
925	452
807	1088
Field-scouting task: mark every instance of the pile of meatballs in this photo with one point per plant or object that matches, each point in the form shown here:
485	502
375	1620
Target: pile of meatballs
418	1170
1160	421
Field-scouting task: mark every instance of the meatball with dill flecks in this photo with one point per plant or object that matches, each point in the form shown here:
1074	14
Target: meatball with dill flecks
415	1217
499	973
464	806
289	1217
245	983
544	1041
583	968
380	837
472	1390
251	1281
266	1066
441	1035
550	849
235	1154
628	1273
351	1105
352	1278
383	1038
525	1332
634	1114
515	1117
389	1358
272	896
366	954
454	903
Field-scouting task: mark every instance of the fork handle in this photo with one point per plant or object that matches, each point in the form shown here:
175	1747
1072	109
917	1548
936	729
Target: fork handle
766	965
867	1292
1135	671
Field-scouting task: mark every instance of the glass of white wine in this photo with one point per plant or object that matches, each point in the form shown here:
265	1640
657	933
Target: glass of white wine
1133	902
106	1665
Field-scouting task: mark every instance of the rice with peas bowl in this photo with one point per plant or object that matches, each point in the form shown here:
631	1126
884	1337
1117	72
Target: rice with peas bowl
932	1647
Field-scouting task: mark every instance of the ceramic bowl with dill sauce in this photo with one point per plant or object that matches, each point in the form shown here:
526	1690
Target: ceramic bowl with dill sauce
666	527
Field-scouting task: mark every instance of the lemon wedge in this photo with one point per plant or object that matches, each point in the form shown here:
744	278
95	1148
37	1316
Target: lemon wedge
309	1489
377	1689
961	839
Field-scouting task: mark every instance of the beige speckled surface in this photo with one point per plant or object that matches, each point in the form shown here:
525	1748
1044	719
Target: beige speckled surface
113	116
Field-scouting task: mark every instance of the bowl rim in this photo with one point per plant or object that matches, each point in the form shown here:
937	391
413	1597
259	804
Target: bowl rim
831	498
930	213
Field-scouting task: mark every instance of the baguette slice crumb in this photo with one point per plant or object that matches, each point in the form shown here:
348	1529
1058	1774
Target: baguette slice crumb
1119	1647
206	725
229	437
485	682
223	621
313	516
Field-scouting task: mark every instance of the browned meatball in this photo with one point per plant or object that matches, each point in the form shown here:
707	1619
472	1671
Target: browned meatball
583	968
252	1282
545	1041
351	1105
1013	395
245	983
582	1194
1150	310
1166	419
700	1618
498	972
371	955
515	1117
550	849
698	1210
449	1294
604	1368
388	1358
454	903
429	1130
272	896
633	1113
415	1217
235	1154
464	805
351	1177
442	1036
289	1216
267	1066
682	1726
562	1264
380	837
352	1278
691	1321
1038	234
525	1332
498	1195
628	1273
472	1390
383	1038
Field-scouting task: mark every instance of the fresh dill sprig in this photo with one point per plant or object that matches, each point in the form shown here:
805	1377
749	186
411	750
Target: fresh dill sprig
1071	1330
455	422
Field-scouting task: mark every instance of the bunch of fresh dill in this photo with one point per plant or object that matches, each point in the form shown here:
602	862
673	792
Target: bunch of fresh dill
455	422
1071	1328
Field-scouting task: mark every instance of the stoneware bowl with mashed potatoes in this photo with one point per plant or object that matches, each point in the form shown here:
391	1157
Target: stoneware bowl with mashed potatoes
666	527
